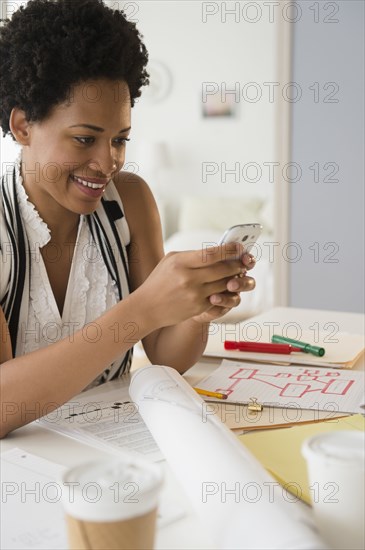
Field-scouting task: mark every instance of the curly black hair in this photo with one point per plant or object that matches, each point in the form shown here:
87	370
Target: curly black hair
49	46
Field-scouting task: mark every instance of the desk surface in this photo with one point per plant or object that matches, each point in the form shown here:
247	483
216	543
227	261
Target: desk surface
184	533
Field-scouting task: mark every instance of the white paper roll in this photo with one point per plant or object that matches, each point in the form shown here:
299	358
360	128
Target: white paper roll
240	505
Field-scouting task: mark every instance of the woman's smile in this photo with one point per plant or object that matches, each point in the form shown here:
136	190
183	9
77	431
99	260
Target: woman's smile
92	187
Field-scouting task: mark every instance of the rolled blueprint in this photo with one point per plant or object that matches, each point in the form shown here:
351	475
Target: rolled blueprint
239	504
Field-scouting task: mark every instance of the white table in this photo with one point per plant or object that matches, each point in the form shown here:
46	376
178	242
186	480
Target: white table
184	533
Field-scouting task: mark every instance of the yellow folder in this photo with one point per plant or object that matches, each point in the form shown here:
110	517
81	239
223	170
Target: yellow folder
279	451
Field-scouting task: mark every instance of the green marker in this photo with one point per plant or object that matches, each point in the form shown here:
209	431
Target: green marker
307	348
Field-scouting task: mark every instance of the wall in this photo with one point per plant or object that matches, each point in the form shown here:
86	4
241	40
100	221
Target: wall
201	42
226	48
327	216
8	148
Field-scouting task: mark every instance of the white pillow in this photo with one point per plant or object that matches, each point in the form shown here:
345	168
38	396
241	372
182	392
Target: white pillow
192	239
218	213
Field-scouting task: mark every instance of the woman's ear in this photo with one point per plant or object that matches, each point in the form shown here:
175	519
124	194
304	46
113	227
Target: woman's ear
19	126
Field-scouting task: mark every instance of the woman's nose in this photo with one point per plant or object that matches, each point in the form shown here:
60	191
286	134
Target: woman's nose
106	162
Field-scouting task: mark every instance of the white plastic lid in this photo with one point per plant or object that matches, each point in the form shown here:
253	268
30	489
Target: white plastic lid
111	490
346	447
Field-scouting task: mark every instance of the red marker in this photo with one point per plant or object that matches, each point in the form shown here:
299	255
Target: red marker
258	347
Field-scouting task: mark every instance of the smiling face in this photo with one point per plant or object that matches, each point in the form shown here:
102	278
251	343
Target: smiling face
69	158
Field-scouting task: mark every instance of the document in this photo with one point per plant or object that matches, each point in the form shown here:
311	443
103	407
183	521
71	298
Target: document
109	421
31	512
339	391
232	494
241	420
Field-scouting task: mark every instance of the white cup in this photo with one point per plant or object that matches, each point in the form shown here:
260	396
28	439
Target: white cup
112	504
335	463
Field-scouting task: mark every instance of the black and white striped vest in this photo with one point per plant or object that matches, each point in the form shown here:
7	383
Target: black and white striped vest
107	227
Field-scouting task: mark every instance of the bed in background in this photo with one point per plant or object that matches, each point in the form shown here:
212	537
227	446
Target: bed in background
203	220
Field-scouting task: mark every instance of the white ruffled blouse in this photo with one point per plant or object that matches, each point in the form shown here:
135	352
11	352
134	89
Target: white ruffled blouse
90	290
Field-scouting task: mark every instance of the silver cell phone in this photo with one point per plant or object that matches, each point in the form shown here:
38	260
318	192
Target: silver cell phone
247	234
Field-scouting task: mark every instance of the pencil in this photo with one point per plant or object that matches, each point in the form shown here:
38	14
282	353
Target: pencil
208	393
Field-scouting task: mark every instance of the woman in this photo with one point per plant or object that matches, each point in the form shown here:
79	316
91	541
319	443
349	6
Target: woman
84	276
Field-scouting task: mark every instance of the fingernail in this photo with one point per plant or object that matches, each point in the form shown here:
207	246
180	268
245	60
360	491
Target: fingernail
216	299
233	285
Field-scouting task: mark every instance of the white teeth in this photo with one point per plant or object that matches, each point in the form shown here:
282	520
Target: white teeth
89	184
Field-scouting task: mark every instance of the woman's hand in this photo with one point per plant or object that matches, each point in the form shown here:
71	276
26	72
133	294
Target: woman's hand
199	284
222	303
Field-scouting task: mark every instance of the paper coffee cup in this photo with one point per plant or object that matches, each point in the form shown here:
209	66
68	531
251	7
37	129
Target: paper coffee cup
112	504
335	463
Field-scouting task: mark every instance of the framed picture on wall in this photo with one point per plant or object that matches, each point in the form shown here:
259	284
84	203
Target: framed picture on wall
219	104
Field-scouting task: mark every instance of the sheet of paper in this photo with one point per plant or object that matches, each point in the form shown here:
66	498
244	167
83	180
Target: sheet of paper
238	417
110	421
279	451
210	462
295	387
342	348
31	510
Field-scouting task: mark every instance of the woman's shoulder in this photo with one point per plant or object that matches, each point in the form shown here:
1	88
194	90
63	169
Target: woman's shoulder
138	201
131	186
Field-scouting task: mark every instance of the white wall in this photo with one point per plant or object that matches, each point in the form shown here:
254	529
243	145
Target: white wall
233	49
233	52
8	148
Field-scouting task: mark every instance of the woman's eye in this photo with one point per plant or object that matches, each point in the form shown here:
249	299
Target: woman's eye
85	140
121	141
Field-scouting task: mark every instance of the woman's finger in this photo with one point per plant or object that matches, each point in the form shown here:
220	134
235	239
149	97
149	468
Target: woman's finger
248	261
241	284
223	300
